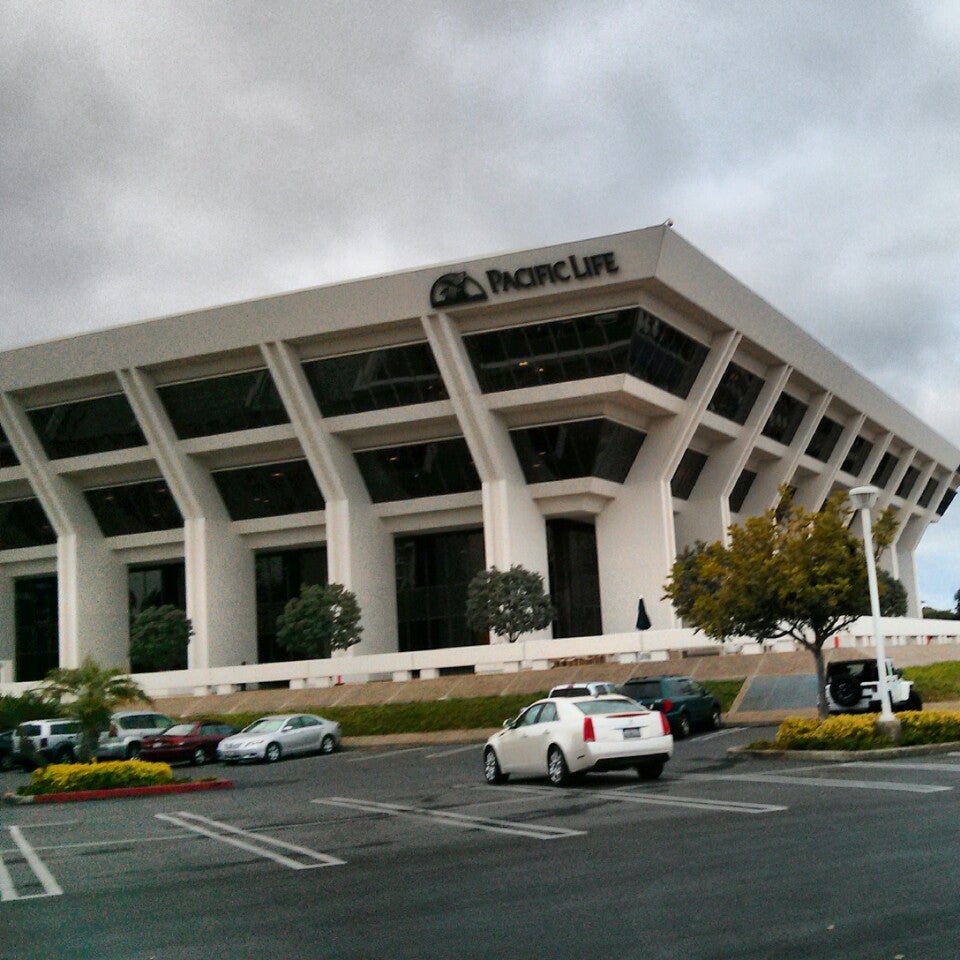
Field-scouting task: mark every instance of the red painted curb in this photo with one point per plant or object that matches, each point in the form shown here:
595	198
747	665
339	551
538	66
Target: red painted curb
79	795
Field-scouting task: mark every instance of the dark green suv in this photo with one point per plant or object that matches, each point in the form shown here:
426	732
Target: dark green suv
682	699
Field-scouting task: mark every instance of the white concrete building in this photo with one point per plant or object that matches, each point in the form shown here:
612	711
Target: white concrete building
584	410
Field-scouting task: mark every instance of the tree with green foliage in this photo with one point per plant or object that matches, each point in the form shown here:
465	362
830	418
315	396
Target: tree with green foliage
790	573
508	603
159	637
89	694
323	618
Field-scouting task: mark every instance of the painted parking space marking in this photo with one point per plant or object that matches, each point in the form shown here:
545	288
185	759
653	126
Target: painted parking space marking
382	755
252	842
820	782
726	731
8	890
904	765
453	750
449	819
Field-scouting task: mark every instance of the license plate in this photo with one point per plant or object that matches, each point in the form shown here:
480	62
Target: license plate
630	732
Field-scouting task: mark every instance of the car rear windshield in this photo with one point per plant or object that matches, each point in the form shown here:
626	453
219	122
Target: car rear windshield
266	725
593	707
644	690
179	730
571	692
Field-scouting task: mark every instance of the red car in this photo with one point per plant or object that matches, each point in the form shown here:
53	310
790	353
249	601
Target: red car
193	740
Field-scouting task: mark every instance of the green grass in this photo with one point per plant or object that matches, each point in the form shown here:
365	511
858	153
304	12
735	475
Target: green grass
936	682
724	690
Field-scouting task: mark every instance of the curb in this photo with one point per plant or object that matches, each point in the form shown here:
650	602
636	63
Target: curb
77	796
845	756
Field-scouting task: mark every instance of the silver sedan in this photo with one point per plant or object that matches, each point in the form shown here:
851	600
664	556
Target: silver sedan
270	738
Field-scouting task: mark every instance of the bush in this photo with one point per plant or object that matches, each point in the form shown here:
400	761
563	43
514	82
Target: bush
17	710
724	690
859	732
71	777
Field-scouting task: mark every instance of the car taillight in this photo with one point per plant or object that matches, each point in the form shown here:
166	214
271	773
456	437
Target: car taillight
664	723
588	735
666	706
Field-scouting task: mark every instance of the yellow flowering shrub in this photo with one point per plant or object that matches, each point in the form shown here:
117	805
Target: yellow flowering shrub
859	731
69	777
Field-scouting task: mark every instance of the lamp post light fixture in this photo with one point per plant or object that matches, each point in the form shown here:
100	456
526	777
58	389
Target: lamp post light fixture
864	499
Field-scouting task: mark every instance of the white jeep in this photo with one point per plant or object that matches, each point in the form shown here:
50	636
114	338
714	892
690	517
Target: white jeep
853	687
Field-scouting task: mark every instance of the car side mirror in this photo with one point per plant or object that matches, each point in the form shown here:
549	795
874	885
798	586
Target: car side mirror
509	724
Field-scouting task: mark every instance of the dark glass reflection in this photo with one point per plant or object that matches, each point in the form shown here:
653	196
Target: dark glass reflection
36	631
736	394
908	482
376	380
134	508
881	476
585	448
280	575
7	457
418	470
945	502
629	341
433	572
574	578
928	491
157	585
857	456
87	426
688	472
824	439
787	416
740	490
241	401
269	490
23	523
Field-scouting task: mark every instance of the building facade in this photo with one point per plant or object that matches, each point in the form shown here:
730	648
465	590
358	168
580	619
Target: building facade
583	410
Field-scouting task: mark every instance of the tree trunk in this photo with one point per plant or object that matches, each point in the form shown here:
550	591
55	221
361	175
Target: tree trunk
823	710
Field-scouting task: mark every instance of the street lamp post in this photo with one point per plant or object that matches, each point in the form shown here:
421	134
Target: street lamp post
864	499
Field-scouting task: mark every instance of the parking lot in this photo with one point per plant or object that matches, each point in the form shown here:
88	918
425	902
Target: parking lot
407	852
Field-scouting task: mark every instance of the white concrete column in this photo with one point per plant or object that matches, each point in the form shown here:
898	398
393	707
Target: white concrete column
899	555
889	490
93	603
636	538
814	492
514	530
360	551
218	566
880	447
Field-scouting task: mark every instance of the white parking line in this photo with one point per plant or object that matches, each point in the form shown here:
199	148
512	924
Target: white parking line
903	765
720	733
8	890
450	753
386	753
450	819
820	782
255	842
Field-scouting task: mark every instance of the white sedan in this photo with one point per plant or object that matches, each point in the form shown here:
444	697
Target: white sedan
270	738
564	737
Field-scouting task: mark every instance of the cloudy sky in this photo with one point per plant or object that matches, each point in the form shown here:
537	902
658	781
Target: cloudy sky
162	156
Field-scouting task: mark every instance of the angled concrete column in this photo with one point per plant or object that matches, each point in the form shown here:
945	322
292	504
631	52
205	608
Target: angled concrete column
93	602
889	490
814	492
899	555
636	538
360	551
514	530
706	515
880	447
221	588
8	644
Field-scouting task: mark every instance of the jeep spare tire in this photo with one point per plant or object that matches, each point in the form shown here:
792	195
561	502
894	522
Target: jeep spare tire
845	692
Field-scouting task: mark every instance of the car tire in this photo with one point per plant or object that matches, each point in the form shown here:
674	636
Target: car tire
273	753
650	769
682	727
64	754
133	751
199	757
716	719
914	701
491	768
845	692
328	744
557	769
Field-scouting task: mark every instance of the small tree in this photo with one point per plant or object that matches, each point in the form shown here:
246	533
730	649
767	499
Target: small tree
323	618
89	694
508	603
788	573
158	639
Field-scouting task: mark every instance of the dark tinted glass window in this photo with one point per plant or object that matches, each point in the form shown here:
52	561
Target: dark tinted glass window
622	341
928	491
857	456
241	401
134	508
157	585
24	524
740	489
391	377
945	502
88	426
736	394
586	448
688	472
418	470
7	457
884	471
786	418
908	482
574	578
824	439
37	643
269	490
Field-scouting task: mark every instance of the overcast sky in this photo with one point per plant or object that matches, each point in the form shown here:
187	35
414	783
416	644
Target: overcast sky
158	157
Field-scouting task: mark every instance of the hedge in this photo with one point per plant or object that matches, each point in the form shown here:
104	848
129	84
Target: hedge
859	731
69	777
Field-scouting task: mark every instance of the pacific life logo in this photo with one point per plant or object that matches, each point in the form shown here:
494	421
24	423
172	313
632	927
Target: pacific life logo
455	289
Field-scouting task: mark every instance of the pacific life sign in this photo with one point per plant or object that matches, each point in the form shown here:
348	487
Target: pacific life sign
453	289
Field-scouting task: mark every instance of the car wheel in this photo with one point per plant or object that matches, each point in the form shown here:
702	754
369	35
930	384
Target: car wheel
328	744
272	753
716	720
65	755
199	757
682	727
845	692
133	751
650	769
914	701
557	769
491	767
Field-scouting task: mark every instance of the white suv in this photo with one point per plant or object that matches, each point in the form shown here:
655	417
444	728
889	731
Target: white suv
46	741
853	687
127	730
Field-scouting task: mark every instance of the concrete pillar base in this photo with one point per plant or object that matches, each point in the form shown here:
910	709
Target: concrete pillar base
889	728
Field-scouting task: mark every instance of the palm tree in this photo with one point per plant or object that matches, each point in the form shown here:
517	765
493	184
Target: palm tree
89	693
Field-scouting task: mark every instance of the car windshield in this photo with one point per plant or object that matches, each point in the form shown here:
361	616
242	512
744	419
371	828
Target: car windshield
178	730
266	725
593	707
645	690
